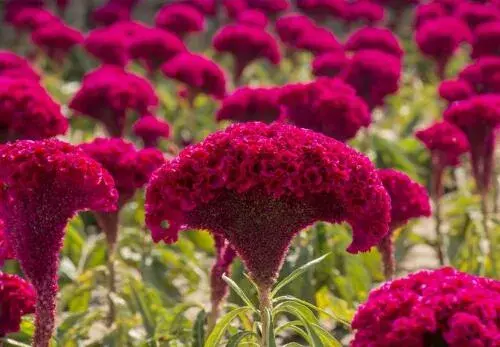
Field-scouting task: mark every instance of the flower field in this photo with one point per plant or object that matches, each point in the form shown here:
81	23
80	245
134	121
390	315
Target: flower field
250	173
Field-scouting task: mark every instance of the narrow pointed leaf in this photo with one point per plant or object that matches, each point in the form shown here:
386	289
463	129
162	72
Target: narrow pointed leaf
239	291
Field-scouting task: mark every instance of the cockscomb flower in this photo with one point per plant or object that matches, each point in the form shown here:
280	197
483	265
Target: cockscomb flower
17	298
111	13
328	107
443	307
234	8
440	39
408	200
364	11
151	129
6	251
107	45
483	75
44	184
269	7
374	75
374	38
258	185
27	111
246	44
199	73
56	40
180	19
318	40
207	7
254	18
478	117
427	12
108	93
14	66
33	18
475	14
486	40
154	47
455	90
248	104
330	64
291	27
320	9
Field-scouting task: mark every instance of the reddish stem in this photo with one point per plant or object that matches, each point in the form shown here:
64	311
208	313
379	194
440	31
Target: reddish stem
386	249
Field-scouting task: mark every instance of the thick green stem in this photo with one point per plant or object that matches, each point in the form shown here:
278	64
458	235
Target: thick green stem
264	306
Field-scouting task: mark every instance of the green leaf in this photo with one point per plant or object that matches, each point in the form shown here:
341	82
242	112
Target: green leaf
293	344
223	324
295	326
271	340
199	329
239	291
296	273
304	315
10	342
328	340
235	340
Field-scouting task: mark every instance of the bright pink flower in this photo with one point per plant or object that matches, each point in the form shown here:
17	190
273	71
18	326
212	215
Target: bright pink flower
486	40
199	73
440	38
234	8
44	184
364	11
207	7
428	12
14	66
108	93
17	298
111	13
455	90
443	307
27	111
483	75
330	64
478	117
180	19
151	129
6	251
270	7
32	18
107	45
154	47
374	38
475	14
219	289
130	29
258	185
290	27
248	104
254	18
246	44
56	40
318	40
330	107
323	8
374	75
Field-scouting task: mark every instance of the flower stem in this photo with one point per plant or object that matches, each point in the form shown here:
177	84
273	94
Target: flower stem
491	243
212	317
45	320
264	306
386	249
437	192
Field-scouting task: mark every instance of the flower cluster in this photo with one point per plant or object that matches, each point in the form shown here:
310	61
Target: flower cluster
108	45
151	129
258	185
330	64
14	66
483	75
374	38
56	40
291	27
180	19
486	40
431	308
455	90
474	14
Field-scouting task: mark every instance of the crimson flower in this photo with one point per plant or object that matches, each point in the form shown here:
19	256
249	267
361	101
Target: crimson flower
318	40
234	8
443	307
108	45
475	14
249	104
364	11
6	251
108	93
450	6
254	18
33	18
330	64
56	40
180	19
374	38
483	75
455	90
17	298
151	129
291	27
430	11
12	7
323	8
14	66
486	40
270	7
110	13
258	185
44	184
207	7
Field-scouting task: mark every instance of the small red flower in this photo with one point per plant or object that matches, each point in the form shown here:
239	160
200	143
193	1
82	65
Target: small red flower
330	64
14	66
430	11
56	40
483	75
33	18
292	26
374	38
108	45
180	19
151	129
318	40
455	90
486	40
475	14
364	11
111	13
254	18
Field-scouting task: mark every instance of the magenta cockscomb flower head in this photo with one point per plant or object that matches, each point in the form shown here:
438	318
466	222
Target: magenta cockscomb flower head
258	185
455	90
478	117
246	44
17	298
330	64
486	40
15	66
233	8
109	93
327	106
440	38
154	47
44	184
318	40
430	11
269	7
33	18
374	38
27	111
291	27
364	11
254	18
56	40
6	251
374	75
475	14
108	46
483	75
180	19
321	9
207	7
443	307
199	73
248	104
151	130
111	13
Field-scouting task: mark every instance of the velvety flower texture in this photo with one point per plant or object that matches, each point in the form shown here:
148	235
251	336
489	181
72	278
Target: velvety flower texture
330	64
455	90
374	75
327	106
44	184
107	45
249	104
17	298
258	185
430	308
6	251
111	13
364	11
14	66
475	14
151	129
323	8
108	93
180	19
199	73
254	18
207	7
234	8
27	111
246	44
56	40
483	75
427	12
486	40
374	38
153	47
478	117
318	40
33	18
291	27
